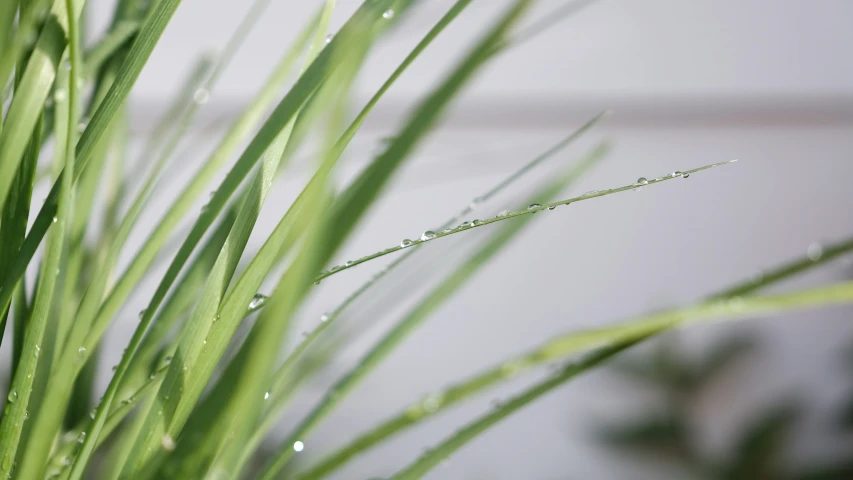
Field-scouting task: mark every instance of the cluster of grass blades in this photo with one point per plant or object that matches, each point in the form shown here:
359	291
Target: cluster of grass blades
190	397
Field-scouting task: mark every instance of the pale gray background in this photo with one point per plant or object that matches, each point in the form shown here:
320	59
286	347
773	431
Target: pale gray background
690	82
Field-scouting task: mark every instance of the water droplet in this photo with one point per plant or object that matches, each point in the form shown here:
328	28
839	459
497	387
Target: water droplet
433	402
55	219
552	207
675	174
503	213
26	414
13	396
81	350
349	263
66	65
168	442
477	223
428	235
685	175
142	312
590	193
405	243
533	206
82	437
388	14
815	251
266	395
464	224
447	230
641	182
329	38
82	126
298	446
201	96
257	301
324	317
167	360
92	414
115	367
216	318
59	96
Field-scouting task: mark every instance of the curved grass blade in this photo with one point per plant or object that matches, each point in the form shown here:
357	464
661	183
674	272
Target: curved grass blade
505	215
356	124
415	317
245	405
338	149
14	227
353	202
40	73
242	128
437	402
281	379
614	339
435	456
31	92
118	36
217	281
15	412
180	405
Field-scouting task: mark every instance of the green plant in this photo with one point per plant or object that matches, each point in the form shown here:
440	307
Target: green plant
172	408
670	430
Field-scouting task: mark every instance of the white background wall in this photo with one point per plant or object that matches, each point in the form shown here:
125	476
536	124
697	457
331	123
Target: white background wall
768	82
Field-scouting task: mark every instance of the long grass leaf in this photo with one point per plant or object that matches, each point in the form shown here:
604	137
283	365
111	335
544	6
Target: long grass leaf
14	225
15	412
620	337
280	388
506	215
155	241
435	456
416	316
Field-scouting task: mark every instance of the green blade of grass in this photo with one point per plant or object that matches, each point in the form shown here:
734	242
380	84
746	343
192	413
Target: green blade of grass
20	41
280	387
245	405
242	128
620	337
14	225
349	133
435	456
38	77
15	412
505	215
115	39
186	390
437	402
216	282
40	73
30	95
353	202
356	124
415	317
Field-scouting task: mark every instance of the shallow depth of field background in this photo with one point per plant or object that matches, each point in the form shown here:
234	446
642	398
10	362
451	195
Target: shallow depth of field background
690	83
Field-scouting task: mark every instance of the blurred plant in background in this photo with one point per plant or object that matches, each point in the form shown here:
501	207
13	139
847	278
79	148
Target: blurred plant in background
206	376
672	430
